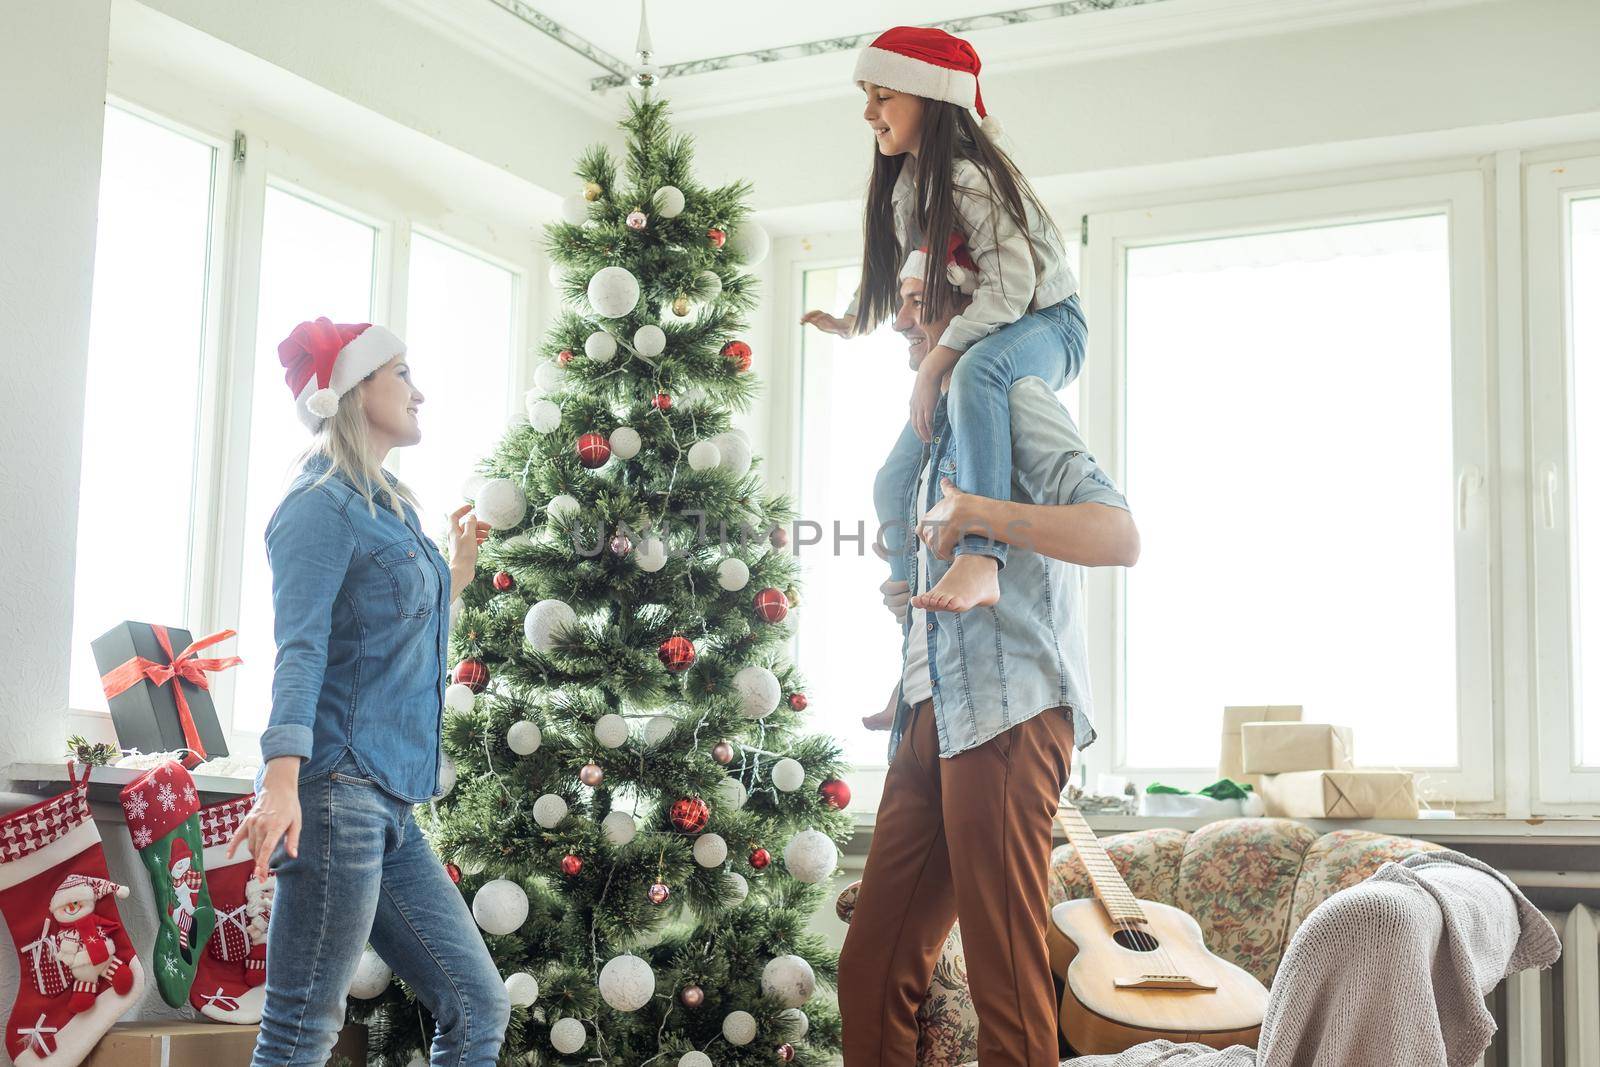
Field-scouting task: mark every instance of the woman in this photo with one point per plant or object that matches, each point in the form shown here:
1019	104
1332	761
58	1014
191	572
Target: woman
361	602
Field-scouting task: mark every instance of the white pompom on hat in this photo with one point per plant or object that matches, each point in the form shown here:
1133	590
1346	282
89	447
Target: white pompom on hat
959	266
323	360
929	63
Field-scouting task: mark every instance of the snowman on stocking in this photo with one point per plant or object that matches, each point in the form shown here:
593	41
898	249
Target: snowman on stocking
86	945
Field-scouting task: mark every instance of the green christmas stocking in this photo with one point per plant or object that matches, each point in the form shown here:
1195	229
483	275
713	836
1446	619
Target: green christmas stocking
161	807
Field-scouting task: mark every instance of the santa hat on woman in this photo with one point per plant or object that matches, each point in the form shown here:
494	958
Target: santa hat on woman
929	63
959	266
85	890
324	360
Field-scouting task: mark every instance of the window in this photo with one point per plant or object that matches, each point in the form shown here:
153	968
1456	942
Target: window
147	340
1583	228
315	261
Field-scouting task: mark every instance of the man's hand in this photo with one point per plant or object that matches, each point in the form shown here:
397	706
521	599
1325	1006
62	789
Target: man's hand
896	597
924	398
955	514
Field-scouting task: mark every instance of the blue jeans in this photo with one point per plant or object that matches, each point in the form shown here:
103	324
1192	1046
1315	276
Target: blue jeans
1048	344
365	873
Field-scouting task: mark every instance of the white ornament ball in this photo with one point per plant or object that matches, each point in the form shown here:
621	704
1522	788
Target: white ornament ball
549	376
739	1028
731	793
796	1018
372	976
558	276
733	575
703	455
458	697
417	1060
524	738
501	503
738	888
788	775
544	416
710	850
568	1036
517	419
708	285
627	983
549	810
649	341
651	555
562	506
600	346
658	729
735	451
789	979
447	776
695	1058
500	906
619	827
811	856
574	210
522	988
759	691
613	292
668	201
625	442
750	240
543	620
611	730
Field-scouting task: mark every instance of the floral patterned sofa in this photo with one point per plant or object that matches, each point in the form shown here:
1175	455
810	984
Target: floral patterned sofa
1248	882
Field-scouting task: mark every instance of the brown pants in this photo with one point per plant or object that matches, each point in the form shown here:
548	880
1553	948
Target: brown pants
969	838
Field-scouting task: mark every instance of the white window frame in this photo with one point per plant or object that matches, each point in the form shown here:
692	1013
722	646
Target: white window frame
1549	189
1461	196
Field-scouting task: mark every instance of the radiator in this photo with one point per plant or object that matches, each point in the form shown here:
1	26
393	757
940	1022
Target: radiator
1552	1018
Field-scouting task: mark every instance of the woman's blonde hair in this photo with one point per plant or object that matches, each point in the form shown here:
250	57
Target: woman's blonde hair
344	440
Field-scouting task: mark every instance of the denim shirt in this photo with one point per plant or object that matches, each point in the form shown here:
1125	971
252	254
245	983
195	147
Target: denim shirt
992	668
361	615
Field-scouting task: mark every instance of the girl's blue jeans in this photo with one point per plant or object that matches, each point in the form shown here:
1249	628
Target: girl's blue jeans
1048	344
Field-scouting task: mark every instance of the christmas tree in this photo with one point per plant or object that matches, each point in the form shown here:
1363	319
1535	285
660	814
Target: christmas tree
639	825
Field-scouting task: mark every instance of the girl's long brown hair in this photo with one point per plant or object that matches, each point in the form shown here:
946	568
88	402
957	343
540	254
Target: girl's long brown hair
949	134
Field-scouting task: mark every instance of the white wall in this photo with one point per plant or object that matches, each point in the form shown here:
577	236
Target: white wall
52	94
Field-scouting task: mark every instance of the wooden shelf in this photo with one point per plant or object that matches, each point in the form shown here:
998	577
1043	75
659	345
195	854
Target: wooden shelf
105	783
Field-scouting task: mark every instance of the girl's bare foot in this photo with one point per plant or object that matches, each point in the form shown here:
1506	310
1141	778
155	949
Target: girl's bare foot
972	581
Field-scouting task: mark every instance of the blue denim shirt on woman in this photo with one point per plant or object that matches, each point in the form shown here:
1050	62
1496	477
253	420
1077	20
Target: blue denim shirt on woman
361	613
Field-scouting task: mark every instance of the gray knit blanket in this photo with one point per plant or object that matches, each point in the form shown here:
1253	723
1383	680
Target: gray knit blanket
1391	971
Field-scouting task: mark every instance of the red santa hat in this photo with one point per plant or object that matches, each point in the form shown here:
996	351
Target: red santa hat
959	266
928	63
323	360
85	889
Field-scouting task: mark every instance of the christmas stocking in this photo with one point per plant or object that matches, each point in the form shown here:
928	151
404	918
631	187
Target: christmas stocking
229	984
79	971
162	806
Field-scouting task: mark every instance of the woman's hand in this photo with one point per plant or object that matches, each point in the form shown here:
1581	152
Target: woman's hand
839	327
275	815
467	532
955	514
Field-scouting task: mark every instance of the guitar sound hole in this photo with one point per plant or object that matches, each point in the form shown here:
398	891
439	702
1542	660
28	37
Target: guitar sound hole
1135	940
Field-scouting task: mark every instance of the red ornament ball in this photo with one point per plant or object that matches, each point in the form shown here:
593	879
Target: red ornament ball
662	402
717	237
760	859
621	544
658	893
690	815
503	582
739	353
771	605
677	653
798	701
692	996
472	674
779	537
565	356
593	450
722	752
571	865
835	793
454	872
786	1053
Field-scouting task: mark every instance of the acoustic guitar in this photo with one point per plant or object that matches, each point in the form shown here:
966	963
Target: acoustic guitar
1137	970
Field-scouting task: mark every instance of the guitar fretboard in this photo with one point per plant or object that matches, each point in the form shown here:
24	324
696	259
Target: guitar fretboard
1112	891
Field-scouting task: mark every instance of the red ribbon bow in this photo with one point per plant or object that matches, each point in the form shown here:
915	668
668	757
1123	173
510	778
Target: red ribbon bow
185	666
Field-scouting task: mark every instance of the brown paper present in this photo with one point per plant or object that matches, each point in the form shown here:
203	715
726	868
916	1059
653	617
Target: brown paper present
1281	747
181	1043
1231	764
1340	795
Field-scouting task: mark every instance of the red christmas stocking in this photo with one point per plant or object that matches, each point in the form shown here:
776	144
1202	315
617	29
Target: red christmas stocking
79	971
229	984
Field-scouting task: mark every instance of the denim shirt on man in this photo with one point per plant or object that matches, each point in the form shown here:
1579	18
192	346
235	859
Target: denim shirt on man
992	668
361	614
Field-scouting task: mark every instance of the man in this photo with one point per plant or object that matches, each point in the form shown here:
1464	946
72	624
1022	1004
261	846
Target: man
991	704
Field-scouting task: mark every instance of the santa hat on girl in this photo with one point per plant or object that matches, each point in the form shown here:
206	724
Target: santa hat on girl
324	360
85	889
929	63
959	266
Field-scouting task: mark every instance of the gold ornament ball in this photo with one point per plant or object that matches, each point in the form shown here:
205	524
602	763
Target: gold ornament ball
692	996
591	775
591	191
680	306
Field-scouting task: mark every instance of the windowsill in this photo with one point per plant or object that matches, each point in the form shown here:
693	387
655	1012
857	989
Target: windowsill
105	783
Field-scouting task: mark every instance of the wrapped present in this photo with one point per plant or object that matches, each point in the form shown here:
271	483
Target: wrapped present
1231	763
158	689
1223	799
1341	794
1282	747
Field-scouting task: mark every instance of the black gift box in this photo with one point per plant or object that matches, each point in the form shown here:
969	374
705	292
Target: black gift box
145	716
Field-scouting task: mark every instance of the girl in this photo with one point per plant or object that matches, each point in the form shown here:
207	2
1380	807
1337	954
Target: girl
937	172
361	599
